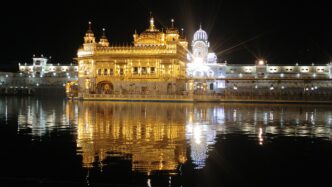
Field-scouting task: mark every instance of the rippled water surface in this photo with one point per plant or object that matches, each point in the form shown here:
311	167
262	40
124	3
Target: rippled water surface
56	142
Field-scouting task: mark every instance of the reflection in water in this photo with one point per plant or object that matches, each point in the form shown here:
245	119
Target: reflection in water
153	139
154	135
202	124
161	136
35	117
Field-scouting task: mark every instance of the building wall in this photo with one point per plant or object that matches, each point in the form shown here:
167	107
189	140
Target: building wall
41	68
155	64
279	89
279	71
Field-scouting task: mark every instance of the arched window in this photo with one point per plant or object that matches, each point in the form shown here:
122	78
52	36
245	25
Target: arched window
211	86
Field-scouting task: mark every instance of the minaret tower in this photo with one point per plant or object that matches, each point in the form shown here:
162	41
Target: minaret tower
89	39
200	45
172	33
152	26
103	40
89	36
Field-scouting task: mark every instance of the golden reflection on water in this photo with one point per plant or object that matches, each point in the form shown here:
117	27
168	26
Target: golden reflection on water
155	136
161	136
151	138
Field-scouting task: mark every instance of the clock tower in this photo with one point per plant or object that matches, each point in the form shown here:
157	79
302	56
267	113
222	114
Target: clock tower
200	46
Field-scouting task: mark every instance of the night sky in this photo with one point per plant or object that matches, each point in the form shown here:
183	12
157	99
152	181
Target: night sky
239	31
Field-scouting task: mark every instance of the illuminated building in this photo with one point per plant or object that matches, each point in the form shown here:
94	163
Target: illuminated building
203	70
154	64
38	78
263	80
158	63
41	68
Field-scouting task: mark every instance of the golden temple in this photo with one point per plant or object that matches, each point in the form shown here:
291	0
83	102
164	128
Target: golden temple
154	64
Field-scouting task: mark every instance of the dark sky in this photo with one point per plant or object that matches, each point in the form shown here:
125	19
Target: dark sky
239	31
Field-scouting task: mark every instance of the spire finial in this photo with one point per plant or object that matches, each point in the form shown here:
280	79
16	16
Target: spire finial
89	25
172	20
135	31
103	39
182	31
151	22
200	25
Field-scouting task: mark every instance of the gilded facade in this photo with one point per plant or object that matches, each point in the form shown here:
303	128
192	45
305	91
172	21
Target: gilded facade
153	64
159	64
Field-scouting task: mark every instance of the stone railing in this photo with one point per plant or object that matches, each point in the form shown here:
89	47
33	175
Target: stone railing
208	97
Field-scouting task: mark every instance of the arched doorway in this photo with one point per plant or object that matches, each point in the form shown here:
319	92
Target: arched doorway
200	88
211	86
105	87
169	88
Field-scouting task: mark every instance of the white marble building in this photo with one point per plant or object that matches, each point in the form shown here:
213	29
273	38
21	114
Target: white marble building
40	76
259	79
41	68
202	67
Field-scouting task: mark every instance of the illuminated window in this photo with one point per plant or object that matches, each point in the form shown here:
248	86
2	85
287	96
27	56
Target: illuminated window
320	70
105	71
248	70
304	70
152	70
143	70
135	70
111	71
121	71
99	72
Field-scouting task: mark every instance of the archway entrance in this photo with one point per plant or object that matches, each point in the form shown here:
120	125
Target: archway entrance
105	87
211	86
200	88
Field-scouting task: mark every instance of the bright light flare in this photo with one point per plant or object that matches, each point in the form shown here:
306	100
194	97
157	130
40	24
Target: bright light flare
261	62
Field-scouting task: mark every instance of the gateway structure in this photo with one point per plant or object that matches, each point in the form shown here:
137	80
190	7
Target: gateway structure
204	73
